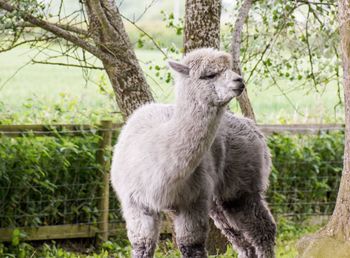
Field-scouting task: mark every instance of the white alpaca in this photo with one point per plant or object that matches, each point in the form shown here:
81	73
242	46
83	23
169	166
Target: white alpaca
174	158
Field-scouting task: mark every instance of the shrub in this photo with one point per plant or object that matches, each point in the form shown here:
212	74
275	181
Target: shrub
55	180
306	173
48	180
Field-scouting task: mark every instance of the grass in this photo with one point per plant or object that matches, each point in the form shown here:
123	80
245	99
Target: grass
45	85
285	247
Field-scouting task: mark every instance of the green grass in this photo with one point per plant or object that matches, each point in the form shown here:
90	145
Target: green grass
285	247
48	85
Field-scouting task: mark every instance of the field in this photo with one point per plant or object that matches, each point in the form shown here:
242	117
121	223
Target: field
23	83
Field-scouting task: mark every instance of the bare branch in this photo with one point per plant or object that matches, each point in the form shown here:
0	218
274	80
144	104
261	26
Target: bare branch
66	64
26	42
145	10
309	50
283	92
315	14
315	3
146	34
53	28
259	61
13	75
60	9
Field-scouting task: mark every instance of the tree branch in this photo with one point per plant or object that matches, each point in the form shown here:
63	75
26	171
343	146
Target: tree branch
70	65
282	91
259	60
145	10
146	34
237	35
270	44
314	3
26	42
243	100
309	50
100	14
66	27
73	29
58	31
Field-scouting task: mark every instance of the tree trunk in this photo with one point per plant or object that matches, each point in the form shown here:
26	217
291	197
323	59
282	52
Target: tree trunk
243	100
123	69
202	24
202	29
334	239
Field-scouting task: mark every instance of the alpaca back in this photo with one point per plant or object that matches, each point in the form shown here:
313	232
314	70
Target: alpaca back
247	159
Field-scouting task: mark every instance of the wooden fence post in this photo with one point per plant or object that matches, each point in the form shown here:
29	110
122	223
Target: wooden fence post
103	158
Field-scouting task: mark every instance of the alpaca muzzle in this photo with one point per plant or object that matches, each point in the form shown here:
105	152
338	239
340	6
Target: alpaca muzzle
240	88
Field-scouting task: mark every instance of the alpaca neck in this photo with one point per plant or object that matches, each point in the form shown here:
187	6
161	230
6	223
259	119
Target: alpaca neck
193	128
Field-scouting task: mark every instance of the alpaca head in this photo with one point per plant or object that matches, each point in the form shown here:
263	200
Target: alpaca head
206	74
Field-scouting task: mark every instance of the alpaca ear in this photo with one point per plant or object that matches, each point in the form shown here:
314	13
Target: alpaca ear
226	59
178	67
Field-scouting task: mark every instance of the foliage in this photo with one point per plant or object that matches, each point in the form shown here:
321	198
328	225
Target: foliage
306	173
309	59
48	180
53	180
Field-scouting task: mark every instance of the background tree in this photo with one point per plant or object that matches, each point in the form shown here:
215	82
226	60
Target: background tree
202	24
100	31
334	239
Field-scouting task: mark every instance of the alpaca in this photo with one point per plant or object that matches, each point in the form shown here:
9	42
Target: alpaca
195	158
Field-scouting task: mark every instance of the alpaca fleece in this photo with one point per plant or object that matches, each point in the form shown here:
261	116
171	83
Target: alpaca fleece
196	160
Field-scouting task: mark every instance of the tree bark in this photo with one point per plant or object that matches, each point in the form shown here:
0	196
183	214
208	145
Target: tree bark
243	100
202	24
123	70
334	239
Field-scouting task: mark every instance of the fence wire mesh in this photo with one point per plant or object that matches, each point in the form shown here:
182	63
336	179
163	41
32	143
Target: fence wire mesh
54	181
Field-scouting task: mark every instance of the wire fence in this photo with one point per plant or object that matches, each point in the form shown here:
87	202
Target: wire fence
51	186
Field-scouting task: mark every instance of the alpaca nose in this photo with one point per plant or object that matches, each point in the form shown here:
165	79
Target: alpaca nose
240	82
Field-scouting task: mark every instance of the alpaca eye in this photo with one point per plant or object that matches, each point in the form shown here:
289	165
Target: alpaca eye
207	77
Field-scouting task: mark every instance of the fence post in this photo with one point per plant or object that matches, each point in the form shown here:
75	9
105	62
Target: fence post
103	158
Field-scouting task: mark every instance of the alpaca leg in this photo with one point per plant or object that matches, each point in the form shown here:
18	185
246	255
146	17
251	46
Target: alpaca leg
233	235
251	216
191	229
143	230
